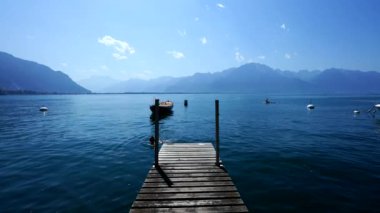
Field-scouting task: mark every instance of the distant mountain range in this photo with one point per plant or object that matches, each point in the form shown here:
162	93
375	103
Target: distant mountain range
258	78
22	76
19	76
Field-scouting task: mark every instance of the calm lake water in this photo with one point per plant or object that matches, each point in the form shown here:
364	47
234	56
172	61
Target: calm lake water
90	153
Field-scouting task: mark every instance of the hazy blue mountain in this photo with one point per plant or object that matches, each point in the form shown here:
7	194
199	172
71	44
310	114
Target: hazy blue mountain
304	75
259	78
18	74
249	78
98	83
347	81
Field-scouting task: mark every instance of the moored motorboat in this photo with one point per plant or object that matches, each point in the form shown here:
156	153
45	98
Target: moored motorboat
377	106
164	107
43	109
310	106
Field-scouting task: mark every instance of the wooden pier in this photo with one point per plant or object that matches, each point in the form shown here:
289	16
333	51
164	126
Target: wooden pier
188	177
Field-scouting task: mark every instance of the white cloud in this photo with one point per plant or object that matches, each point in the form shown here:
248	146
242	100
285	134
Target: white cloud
284	27
118	56
288	56
176	54
220	5
182	33
203	40
121	48
239	57
261	57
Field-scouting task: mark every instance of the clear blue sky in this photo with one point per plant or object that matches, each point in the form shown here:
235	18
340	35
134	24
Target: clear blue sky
151	38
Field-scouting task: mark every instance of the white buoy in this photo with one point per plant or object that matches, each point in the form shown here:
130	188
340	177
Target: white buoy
310	106
43	109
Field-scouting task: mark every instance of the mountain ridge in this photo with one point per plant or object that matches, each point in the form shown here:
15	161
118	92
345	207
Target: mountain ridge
17	74
23	76
260	78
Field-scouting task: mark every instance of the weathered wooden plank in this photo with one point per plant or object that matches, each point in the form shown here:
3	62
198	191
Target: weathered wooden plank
191	149
186	158
187	162
188	184
180	151
188	203
197	145
177	196
190	164
189	171
184	175
187	180
189	189
187	153
180	163
187	146
211	149
207	155
173	171
213	209
200	166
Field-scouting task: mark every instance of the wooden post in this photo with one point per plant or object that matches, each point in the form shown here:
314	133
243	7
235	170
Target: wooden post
217	161
156	131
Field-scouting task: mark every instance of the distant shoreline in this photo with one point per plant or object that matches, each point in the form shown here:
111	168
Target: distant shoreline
30	92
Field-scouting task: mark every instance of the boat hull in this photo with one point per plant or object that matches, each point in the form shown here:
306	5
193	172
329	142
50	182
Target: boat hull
162	110
43	109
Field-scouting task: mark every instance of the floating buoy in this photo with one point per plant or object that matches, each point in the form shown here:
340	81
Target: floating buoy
310	106
356	112
377	106
43	109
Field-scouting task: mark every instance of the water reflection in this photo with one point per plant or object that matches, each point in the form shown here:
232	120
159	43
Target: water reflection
161	116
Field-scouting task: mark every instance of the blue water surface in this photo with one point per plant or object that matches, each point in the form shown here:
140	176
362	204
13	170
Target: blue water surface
90	153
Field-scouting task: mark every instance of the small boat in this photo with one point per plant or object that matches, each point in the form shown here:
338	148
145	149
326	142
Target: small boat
267	101
164	107
310	106
356	112
377	106
43	109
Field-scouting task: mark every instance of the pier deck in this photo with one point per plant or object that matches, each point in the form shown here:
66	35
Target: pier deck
187	180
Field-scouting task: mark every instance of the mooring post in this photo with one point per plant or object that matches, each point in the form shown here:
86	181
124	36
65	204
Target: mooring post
156	131
217	162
